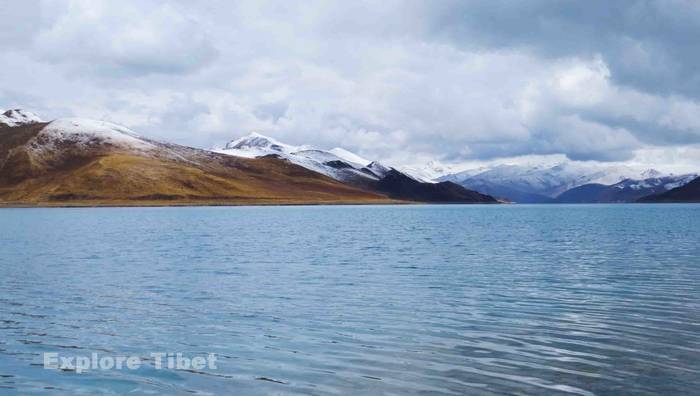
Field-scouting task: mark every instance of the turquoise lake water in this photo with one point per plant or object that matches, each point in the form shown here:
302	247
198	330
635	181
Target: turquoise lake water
482	300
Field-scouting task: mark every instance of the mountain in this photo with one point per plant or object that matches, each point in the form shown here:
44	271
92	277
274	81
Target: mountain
86	162
429	172
625	191
327	163
587	193
16	117
348	156
351	169
400	186
541	183
505	192
686	193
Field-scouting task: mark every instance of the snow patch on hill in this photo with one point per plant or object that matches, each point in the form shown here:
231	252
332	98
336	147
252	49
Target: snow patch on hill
378	169
85	131
257	145
16	117
430	172
84	135
659	180
550	180
680	182
340	167
349	156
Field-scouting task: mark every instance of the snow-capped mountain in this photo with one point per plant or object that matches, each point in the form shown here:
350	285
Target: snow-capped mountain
77	161
541	183
83	132
625	191
17	117
257	145
80	137
657	180
349	156
350	168
338	163
689	192
430	172
381	170
77	134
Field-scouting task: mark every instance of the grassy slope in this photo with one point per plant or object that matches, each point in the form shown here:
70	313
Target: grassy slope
111	177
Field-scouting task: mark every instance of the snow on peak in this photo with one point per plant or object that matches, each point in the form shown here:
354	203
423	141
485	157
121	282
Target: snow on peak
86	132
256	145
378	169
651	174
15	117
86	126
678	181
349	156
258	142
339	164
657	179
428	173
551	179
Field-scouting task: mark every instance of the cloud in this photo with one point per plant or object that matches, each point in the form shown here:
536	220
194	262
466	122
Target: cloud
648	44
125	39
19	35
400	80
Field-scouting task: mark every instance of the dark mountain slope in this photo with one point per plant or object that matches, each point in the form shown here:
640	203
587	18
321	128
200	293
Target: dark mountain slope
625	191
352	170
687	193
505	192
588	193
397	185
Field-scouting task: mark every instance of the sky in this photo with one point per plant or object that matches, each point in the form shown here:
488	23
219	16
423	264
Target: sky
404	81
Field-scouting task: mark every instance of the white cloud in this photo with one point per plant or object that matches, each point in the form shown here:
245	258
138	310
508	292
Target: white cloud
378	78
123	39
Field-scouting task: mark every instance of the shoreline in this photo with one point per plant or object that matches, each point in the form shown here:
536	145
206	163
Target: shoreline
45	205
26	205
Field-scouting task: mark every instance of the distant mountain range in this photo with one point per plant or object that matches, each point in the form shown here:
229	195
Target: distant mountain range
625	191
81	162
686	193
84	162
567	182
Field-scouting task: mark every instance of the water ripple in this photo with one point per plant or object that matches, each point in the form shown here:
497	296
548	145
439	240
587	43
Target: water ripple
452	300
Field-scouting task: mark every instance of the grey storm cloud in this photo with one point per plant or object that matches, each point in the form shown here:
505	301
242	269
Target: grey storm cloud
400	80
648	44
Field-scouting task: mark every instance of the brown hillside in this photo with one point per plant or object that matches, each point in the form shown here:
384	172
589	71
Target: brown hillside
34	171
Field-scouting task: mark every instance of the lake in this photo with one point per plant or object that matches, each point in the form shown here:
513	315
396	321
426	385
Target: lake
419	299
